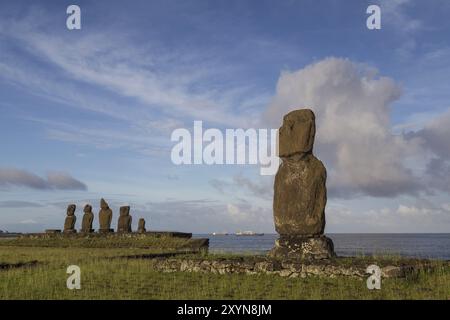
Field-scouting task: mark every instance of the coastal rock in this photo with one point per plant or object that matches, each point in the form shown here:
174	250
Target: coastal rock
52	231
392	272
268	266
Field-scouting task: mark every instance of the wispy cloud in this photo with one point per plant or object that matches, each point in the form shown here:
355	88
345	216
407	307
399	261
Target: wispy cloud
259	187
19	204
421	217
12	177
173	86
396	17
394	13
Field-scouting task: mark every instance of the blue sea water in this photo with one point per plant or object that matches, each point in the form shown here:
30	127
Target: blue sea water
414	245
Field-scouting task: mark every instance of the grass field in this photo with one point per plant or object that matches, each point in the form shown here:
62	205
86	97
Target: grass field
96	241
106	273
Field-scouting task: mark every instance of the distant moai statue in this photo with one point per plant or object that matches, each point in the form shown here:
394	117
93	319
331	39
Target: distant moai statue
105	217
88	218
69	223
300	193
141	226
124	222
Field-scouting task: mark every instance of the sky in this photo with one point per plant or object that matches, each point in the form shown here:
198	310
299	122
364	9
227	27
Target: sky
89	113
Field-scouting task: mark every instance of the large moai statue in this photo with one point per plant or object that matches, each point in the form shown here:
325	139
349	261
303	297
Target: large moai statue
141	226
88	218
69	223
300	193
105	217
124	222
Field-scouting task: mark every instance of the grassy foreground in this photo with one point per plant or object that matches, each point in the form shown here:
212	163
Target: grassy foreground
96	241
108	274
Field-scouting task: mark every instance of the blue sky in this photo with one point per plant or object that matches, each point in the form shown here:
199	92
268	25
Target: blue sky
89	113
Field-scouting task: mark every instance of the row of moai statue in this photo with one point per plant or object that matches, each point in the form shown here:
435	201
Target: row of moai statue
105	218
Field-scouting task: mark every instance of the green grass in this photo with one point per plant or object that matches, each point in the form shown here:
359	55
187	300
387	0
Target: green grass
106	274
96	241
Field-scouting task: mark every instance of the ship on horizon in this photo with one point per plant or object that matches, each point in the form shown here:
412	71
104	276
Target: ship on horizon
220	234
248	233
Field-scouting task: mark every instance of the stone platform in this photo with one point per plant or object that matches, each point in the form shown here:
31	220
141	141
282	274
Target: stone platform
303	247
331	268
174	234
50	233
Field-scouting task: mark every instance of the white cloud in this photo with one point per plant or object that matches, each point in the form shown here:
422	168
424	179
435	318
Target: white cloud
234	212
354	138
205	215
258	186
436	133
420	217
28	221
393	12
175	84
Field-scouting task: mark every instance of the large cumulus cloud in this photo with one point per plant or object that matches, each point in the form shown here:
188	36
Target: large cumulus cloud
353	104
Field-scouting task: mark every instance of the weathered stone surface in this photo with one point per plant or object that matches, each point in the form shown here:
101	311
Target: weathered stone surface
52	231
256	264
289	269
296	135
392	272
124	222
105	217
69	223
299	191
88	218
300	194
141	225
267	266
306	248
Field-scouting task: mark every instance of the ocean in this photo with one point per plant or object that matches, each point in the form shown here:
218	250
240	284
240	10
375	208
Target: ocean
414	245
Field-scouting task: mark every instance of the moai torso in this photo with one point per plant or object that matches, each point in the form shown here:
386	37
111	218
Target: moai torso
69	223
141	226
299	190
88	218
105	215
124	223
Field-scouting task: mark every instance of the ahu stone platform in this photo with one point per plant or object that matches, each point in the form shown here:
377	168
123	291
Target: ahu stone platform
331	268
49	233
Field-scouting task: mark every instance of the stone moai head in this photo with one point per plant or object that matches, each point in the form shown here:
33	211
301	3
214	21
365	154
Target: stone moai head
124	211
71	209
87	208
296	135
103	204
